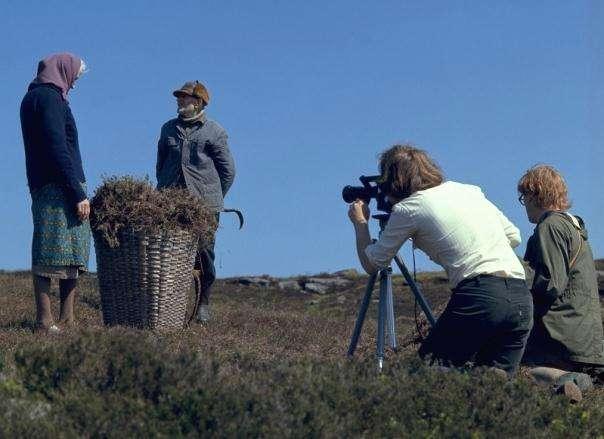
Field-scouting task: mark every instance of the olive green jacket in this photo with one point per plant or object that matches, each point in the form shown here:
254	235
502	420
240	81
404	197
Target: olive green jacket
568	318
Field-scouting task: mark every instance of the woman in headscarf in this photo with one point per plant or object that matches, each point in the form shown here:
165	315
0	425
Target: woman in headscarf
60	206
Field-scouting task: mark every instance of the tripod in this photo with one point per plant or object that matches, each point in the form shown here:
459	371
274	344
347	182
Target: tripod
386	304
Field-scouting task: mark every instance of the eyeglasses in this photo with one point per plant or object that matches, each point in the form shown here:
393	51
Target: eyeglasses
521	199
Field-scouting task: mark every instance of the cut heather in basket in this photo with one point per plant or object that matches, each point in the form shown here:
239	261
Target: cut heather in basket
128	202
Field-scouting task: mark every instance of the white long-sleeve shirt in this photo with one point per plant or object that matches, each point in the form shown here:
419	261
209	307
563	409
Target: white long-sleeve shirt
457	227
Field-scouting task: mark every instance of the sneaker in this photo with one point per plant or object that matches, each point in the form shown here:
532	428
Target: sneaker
581	380
203	314
571	391
47	330
54	329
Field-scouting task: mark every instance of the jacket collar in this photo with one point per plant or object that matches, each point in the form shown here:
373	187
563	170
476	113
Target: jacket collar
47	85
575	221
199	120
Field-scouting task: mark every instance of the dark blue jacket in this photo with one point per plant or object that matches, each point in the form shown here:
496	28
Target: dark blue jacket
50	137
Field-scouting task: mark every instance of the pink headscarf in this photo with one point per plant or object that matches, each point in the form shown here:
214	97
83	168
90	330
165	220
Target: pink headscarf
59	69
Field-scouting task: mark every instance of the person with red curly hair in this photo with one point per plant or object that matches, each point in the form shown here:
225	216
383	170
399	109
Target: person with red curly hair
567	332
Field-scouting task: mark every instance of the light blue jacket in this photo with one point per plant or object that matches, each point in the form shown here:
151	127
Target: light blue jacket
196	155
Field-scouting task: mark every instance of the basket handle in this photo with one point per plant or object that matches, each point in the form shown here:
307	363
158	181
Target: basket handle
197	280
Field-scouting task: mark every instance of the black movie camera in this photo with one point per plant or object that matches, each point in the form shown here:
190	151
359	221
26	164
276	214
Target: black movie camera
367	192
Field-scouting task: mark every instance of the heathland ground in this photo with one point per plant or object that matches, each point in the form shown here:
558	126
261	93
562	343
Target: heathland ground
271	363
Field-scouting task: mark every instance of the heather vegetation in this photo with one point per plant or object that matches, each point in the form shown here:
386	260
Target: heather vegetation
270	365
127	202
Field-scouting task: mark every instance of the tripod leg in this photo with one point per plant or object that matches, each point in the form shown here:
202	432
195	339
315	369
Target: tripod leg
381	319
361	317
418	295
390	310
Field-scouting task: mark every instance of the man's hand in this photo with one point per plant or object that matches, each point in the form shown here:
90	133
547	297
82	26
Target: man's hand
83	210
358	212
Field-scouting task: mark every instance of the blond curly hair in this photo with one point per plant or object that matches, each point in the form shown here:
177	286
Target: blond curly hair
546	188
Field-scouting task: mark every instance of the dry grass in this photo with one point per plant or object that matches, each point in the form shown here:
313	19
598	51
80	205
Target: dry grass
265	322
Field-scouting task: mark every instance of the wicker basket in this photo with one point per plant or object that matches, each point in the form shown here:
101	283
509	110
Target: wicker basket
145	281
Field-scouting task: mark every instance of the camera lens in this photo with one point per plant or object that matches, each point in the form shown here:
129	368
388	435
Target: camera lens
347	194
351	193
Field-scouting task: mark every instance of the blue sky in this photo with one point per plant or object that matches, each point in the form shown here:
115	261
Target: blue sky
310	93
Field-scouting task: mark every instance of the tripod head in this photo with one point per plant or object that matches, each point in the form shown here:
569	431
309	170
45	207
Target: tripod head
382	218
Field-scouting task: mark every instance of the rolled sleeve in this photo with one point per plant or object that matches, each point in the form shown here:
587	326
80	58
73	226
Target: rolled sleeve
399	228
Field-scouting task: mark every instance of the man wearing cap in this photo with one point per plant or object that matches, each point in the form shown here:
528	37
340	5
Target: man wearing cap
193	153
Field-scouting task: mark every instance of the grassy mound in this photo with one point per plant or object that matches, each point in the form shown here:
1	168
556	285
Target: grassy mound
128	383
129	203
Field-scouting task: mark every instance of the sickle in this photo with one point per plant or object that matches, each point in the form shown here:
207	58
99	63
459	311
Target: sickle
239	215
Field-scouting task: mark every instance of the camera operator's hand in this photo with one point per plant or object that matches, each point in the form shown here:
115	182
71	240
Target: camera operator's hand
358	212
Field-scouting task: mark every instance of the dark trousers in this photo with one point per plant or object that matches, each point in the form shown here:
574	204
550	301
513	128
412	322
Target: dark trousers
487	320
204	261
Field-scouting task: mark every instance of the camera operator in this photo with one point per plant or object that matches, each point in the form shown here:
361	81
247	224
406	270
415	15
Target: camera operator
489	315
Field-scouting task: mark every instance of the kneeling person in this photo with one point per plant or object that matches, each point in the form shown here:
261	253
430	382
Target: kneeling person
489	316
568	331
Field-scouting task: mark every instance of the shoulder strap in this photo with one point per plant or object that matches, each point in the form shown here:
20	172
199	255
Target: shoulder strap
574	258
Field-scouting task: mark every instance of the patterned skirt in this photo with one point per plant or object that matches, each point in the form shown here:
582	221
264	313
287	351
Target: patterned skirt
60	239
